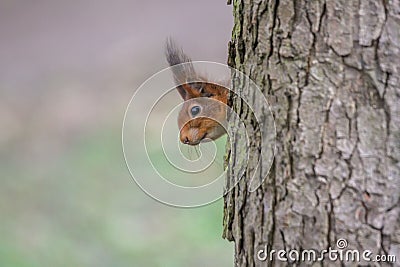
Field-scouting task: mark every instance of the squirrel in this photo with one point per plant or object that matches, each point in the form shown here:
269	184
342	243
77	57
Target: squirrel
203	114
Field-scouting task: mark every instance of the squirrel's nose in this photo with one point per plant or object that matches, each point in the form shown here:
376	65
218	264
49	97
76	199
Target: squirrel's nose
186	140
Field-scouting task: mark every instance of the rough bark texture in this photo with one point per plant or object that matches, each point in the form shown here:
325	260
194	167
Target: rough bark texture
331	72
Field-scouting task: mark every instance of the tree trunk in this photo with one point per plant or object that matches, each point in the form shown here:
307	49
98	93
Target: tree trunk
331	72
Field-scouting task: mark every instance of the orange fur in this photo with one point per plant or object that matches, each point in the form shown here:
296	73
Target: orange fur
211	99
210	125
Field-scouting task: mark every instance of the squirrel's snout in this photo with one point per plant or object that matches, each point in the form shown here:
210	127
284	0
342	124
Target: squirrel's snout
191	137
189	141
185	140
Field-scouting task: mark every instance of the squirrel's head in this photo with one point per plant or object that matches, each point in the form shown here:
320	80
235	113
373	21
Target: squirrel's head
203	113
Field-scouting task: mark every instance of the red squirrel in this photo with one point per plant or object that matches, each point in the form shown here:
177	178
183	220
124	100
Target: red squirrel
203	113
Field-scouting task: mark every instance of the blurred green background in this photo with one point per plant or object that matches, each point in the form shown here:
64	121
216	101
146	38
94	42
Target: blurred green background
67	72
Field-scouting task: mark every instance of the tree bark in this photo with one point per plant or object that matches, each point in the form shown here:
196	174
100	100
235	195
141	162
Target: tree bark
331	72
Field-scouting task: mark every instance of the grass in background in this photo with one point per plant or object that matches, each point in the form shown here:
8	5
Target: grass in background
80	207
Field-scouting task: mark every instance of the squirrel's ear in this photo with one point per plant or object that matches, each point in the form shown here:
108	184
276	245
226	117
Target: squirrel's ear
183	69
182	92
211	89
188	91
199	89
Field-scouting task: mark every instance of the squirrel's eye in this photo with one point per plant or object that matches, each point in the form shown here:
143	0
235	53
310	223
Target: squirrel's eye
195	110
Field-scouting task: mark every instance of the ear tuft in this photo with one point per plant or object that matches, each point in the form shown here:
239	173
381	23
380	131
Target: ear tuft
183	69
176	56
